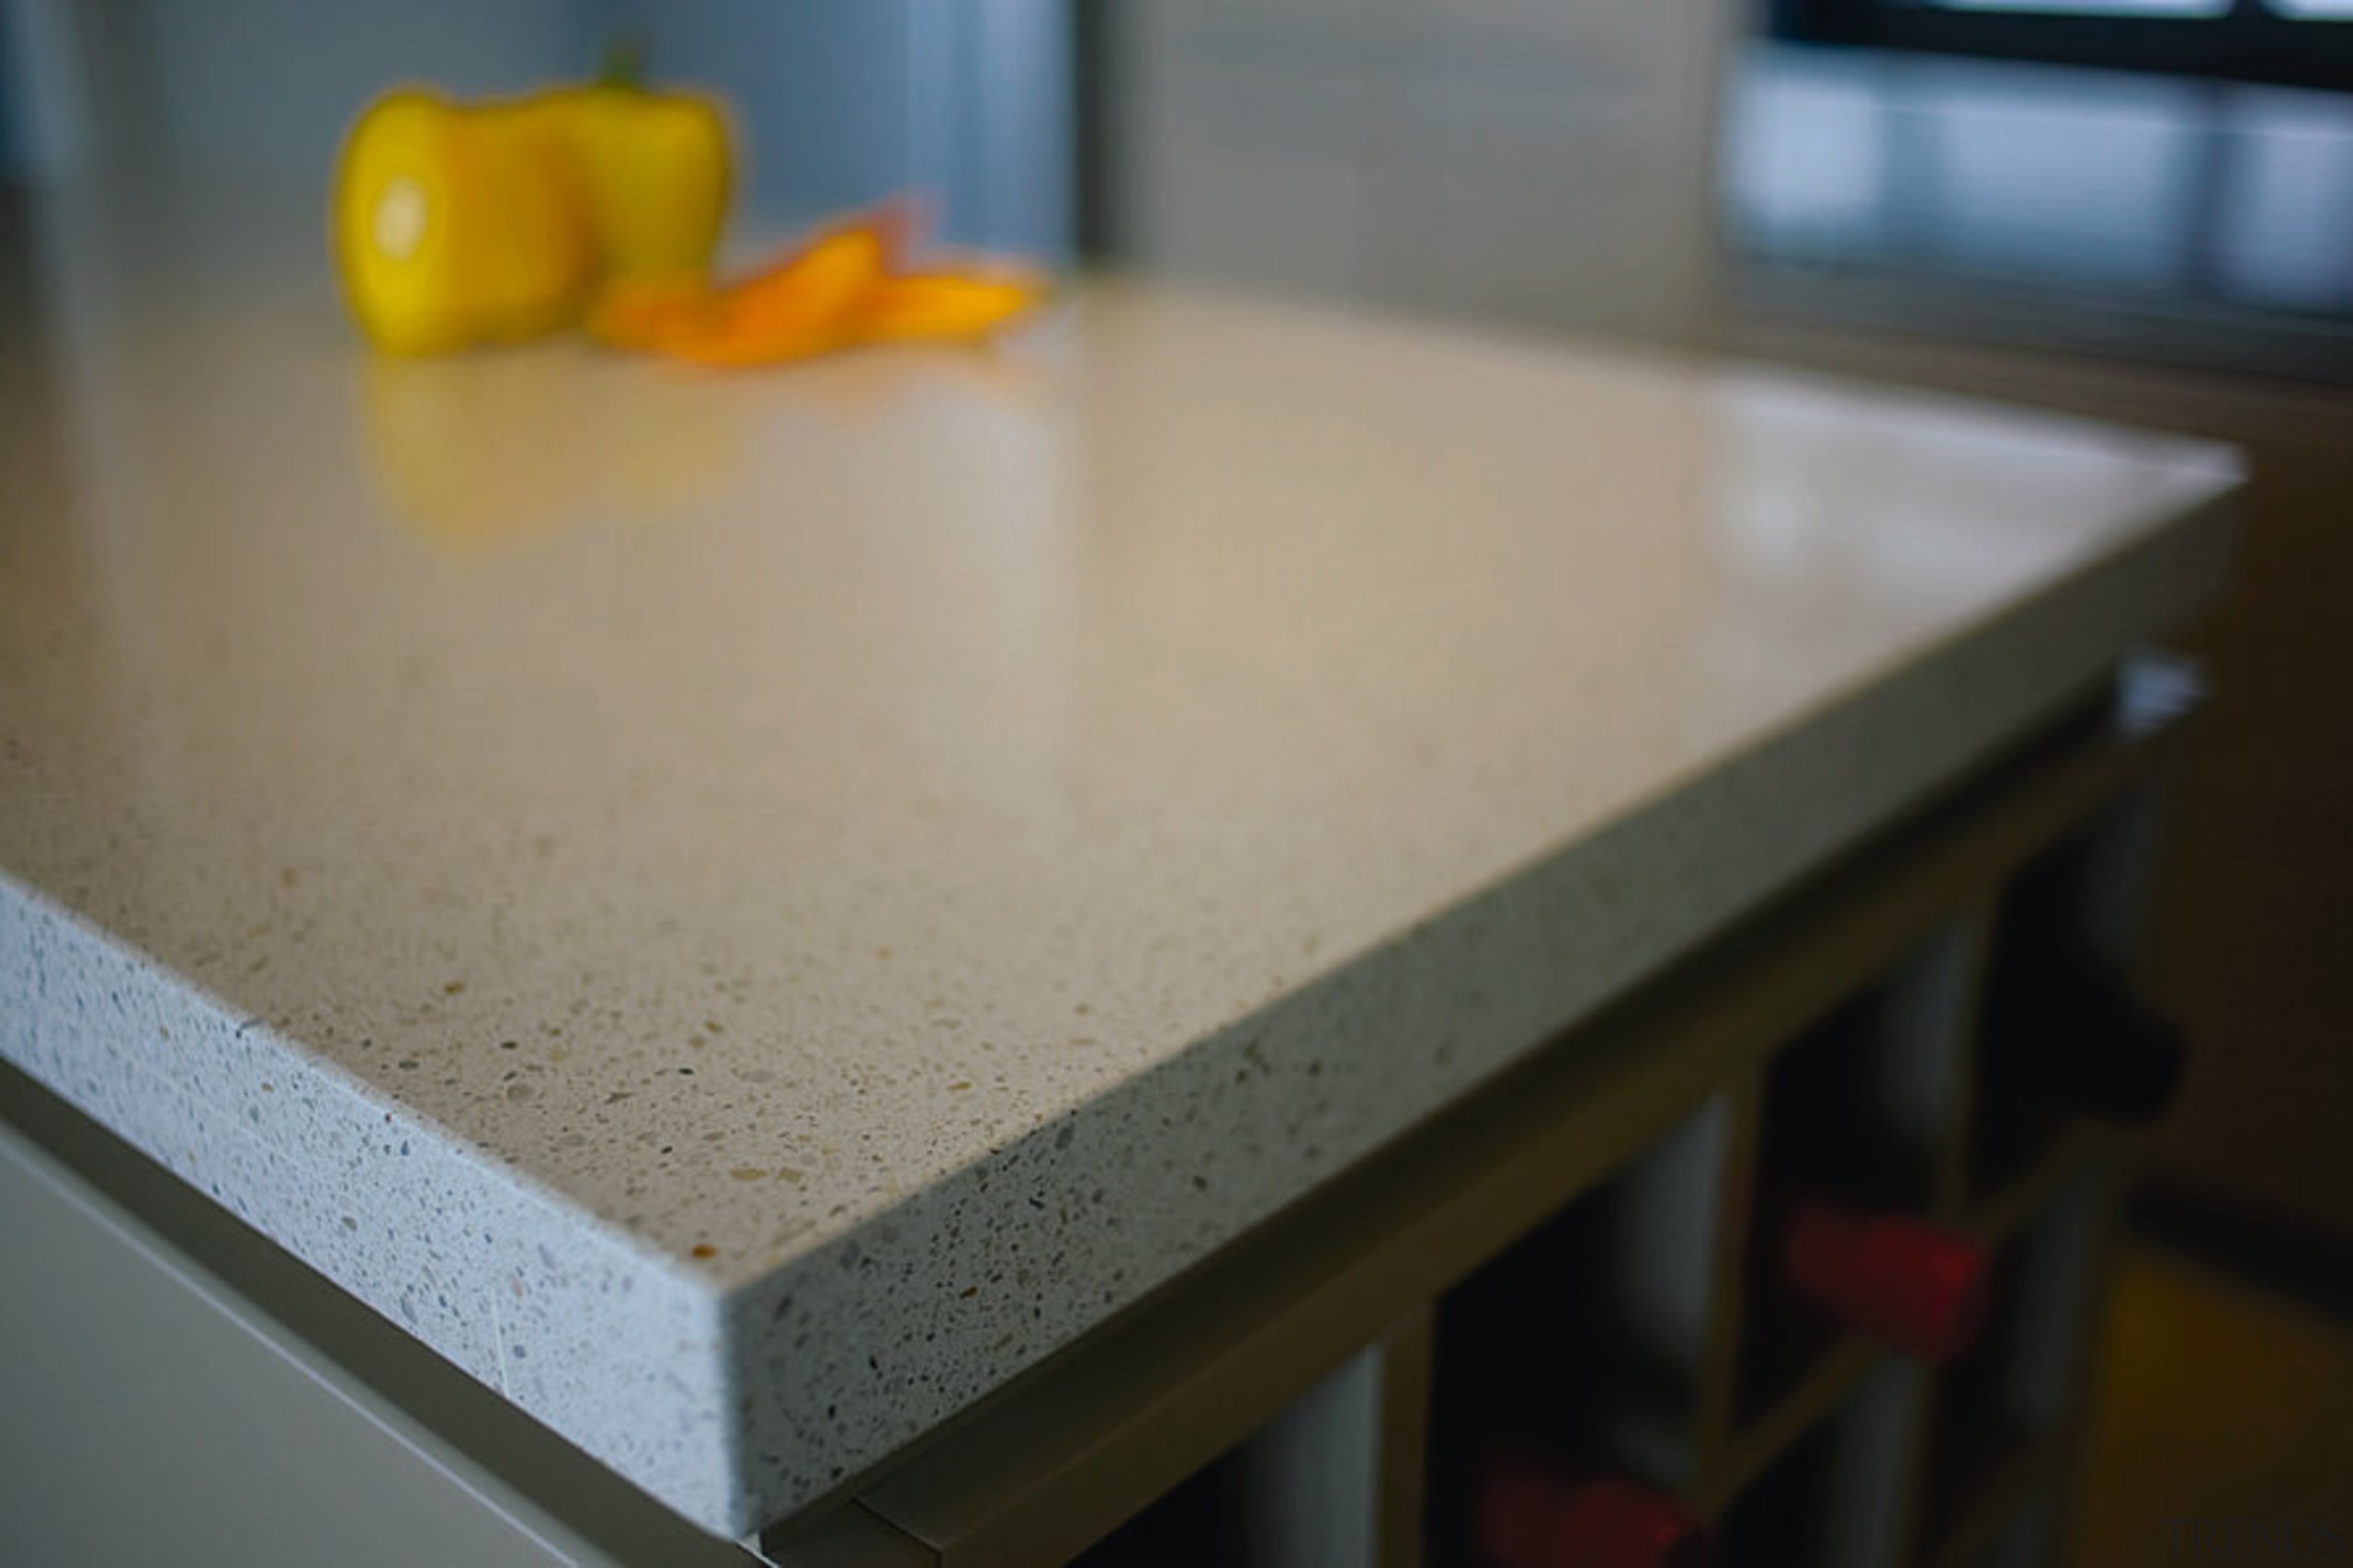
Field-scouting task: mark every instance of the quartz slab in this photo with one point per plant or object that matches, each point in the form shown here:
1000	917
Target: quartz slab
744	911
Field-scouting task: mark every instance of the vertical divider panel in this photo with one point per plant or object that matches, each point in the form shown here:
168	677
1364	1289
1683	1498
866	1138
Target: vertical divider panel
1871	1100
1922	1085
1304	1488
2061	1288
1337	1478
1673	1285
1739	1115
1877	1445
1407	1355
2116	879
2064	1368
2008	1421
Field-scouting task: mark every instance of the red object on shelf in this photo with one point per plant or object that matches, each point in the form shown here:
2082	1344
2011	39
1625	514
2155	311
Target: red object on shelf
1907	1282
1532	1513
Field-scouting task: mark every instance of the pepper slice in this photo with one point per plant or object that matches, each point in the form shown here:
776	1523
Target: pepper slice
841	289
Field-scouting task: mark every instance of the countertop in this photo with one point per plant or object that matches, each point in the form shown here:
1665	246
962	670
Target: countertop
744	911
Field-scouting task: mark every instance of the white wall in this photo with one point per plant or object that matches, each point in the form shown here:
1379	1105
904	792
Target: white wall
1545	161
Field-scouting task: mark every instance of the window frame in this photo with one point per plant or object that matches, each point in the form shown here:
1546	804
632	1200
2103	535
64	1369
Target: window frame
2251	42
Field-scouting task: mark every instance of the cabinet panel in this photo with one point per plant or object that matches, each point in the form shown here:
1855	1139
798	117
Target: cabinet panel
147	1410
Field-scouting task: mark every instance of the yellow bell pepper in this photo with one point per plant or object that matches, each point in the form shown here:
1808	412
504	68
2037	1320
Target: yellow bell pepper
654	170
462	223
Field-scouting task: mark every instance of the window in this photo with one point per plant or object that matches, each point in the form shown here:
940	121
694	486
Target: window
2304	43
2094	7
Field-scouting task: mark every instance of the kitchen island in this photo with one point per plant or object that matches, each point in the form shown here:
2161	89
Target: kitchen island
750	915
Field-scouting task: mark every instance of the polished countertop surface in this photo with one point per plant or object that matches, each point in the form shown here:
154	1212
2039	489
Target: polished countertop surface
742	911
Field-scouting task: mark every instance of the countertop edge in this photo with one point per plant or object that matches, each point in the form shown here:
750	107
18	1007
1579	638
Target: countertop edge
1432	1013
607	1343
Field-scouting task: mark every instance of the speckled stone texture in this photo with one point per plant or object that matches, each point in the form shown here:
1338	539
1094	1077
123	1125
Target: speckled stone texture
571	1321
745	912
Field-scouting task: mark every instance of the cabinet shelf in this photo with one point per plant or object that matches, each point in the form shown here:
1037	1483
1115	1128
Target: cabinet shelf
1755	1447
1994	1217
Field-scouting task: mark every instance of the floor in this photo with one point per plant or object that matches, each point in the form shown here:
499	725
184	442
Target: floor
2224	1426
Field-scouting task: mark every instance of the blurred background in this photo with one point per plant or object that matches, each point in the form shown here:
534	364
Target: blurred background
2133	209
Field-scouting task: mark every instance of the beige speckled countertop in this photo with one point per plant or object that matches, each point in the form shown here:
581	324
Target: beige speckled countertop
744	912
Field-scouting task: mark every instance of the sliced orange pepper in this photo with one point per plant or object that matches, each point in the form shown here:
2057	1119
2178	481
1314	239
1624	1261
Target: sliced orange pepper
641	314
805	305
841	289
943	306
